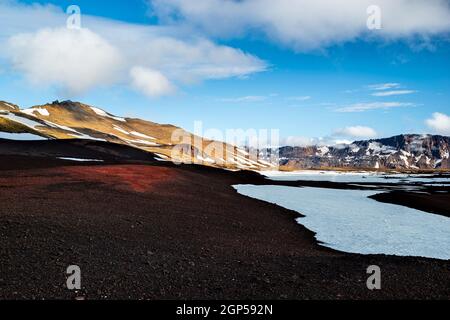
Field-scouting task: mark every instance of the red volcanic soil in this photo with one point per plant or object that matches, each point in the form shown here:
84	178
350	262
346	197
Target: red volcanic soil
124	177
163	232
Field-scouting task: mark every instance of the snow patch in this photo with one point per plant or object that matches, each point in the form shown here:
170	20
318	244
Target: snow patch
354	148
120	129
80	160
80	135
405	153
207	159
41	111
139	141
76	134
9	105
323	150
22	120
404	159
20	136
141	135
162	156
103	113
375	147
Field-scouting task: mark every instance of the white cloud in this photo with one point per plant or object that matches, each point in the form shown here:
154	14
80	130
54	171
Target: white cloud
342	143
300	98
339	138
384	86
440	123
361	107
299	141
245	99
91	58
356	132
255	98
296	141
150	82
392	93
71	58
306	24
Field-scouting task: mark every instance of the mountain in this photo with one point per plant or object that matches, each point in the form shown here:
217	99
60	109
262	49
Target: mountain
407	151
74	120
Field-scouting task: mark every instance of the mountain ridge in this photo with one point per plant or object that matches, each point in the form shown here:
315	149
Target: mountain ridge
75	120
400	152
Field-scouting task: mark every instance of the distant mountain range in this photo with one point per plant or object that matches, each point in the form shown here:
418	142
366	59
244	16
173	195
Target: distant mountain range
407	151
74	120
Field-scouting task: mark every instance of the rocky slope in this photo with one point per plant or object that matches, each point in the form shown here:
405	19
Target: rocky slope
74	120
409	151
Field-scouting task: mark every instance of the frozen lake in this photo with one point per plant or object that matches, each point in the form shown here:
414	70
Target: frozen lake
354	177
347	220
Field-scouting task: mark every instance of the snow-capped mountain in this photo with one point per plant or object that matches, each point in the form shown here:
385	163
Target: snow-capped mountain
408	151
74	120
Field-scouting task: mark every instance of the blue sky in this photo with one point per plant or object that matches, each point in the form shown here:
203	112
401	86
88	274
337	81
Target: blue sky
262	72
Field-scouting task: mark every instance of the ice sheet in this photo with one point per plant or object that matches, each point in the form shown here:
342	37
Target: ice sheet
349	221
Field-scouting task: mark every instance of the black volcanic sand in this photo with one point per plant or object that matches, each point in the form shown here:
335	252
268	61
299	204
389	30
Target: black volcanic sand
433	201
156	231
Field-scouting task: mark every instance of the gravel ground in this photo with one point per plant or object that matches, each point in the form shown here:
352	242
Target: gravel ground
161	232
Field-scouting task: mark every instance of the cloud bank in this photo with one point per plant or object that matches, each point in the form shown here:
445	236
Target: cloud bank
245	99
439	123
70	58
306	24
340	137
104	52
356	132
362	107
384	86
150	82
392	93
